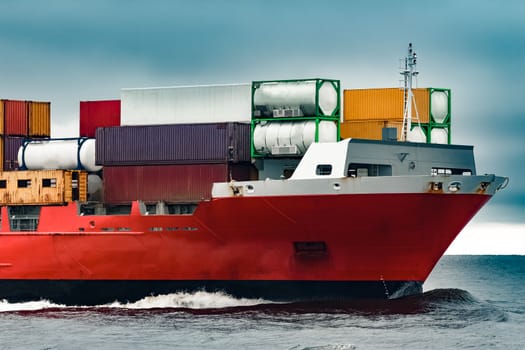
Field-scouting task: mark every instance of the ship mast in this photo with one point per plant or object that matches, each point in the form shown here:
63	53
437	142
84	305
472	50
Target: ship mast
409	72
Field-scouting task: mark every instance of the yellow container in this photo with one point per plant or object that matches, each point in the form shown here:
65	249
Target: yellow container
368	129
39	118
384	104
42	187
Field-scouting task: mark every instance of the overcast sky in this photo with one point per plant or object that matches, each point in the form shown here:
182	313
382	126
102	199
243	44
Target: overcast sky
68	51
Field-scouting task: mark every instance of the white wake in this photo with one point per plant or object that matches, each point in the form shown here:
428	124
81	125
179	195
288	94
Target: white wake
197	300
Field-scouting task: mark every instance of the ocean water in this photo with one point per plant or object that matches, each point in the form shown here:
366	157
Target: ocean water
470	302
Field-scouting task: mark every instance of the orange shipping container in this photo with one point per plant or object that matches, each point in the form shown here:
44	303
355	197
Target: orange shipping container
368	129
383	104
42	187
39	118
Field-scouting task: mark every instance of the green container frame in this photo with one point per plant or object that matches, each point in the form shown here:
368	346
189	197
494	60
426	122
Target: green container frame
432	124
318	83
317	120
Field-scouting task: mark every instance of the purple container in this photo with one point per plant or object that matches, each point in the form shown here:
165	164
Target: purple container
173	144
11	146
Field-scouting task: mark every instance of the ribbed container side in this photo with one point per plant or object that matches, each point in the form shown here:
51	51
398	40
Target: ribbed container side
169	183
42	187
97	114
383	104
2	117
11	146
368	129
2	146
186	104
39	118
16	118
173	144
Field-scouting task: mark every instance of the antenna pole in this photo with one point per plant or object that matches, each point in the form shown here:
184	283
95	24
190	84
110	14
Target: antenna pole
408	73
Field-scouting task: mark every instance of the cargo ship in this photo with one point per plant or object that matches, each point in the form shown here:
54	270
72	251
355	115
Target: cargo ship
251	189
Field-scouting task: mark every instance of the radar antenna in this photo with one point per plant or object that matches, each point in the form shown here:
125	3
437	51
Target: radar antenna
409	72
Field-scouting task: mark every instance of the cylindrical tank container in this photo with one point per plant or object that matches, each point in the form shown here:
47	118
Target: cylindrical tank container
417	134
270	137
439	135
439	105
317	97
67	154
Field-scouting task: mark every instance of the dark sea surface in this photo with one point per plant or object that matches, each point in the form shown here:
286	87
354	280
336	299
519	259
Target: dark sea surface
470	302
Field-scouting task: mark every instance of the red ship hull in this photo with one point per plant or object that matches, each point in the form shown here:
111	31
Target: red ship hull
274	247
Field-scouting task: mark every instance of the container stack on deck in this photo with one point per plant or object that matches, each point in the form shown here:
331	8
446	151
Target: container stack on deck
157	156
368	111
20	120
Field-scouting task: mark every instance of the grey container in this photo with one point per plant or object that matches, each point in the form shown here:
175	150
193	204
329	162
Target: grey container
173	144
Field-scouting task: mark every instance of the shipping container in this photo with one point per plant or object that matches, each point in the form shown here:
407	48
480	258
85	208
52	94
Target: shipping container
16	118
2	156
296	98
43	187
2	116
39	118
384	104
186	104
170	183
368	129
173	144
11	146
96	114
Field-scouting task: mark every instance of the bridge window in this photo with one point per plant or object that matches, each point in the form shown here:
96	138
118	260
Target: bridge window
450	171
323	169
361	169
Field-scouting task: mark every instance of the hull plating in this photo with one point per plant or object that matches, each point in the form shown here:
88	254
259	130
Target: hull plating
241	245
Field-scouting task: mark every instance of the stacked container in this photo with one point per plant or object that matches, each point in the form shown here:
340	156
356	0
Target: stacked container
175	163
44	187
288	115
186	104
96	114
20	120
368	111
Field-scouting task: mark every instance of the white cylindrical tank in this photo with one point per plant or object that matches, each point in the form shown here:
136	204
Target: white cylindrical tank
439	135
300	134
296	94
439	106
65	154
416	135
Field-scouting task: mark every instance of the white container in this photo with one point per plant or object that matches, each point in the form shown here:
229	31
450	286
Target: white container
439	135
416	135
439	106
294	95
59	155
300	134
186	104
